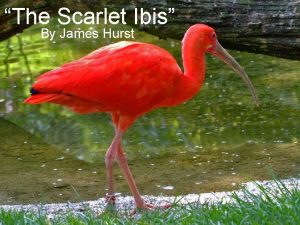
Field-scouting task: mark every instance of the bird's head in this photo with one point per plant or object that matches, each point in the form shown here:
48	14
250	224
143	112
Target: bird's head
206	37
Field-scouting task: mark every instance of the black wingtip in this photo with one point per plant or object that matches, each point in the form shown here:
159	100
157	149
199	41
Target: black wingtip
33	91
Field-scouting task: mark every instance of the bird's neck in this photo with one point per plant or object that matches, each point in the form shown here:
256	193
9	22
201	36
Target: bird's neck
193	76
193	56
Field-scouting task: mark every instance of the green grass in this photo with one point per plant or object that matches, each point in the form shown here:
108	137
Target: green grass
270	207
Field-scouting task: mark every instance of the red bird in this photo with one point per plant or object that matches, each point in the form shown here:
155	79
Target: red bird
129	79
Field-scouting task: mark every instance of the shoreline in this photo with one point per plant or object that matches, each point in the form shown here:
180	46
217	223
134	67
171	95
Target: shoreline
126	203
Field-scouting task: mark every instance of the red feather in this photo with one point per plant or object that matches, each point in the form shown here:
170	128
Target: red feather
130	78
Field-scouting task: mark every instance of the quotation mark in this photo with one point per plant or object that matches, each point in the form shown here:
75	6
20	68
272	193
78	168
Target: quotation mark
171	10
7	11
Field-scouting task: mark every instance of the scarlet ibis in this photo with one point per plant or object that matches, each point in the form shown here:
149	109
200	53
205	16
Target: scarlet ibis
129	79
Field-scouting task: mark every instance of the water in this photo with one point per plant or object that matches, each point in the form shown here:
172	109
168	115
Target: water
214	142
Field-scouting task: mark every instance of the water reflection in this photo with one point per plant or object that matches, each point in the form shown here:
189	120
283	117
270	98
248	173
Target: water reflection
211	143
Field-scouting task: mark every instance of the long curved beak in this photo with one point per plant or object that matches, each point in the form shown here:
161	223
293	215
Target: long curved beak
222	54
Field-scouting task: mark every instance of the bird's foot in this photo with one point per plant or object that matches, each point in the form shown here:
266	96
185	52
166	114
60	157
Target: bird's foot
148	206
110	199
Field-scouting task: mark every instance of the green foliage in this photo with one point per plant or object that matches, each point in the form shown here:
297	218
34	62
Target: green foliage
21	218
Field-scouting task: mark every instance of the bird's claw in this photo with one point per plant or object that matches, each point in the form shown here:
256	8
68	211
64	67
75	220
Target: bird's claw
110	199
148	206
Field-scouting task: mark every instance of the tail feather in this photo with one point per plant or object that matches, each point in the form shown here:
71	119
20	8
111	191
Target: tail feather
42	98
76	104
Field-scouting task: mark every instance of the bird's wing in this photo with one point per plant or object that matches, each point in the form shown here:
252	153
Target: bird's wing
127	76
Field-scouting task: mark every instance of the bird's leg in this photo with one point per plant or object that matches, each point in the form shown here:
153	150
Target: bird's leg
122	124
140	204
110	157
122	160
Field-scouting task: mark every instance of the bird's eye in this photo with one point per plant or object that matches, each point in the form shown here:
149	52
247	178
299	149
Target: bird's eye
213	35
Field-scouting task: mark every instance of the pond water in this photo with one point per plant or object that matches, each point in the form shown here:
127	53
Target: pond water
214	142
